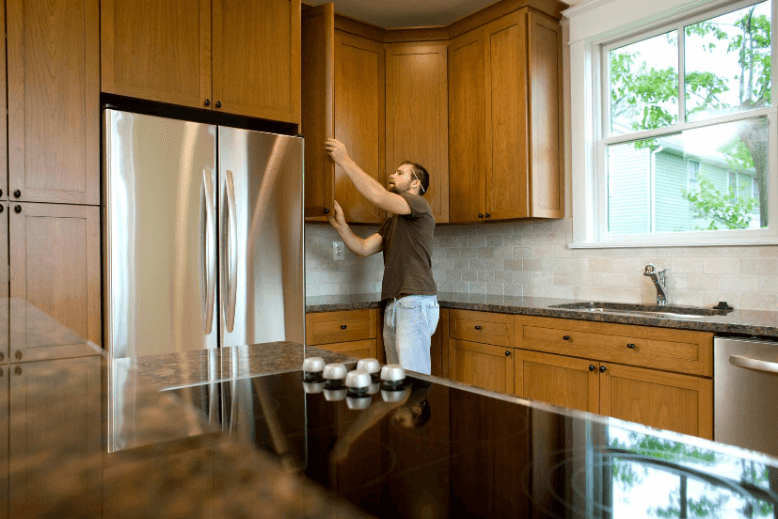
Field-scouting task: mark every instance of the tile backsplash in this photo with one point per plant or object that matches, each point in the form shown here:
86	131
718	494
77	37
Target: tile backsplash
533	259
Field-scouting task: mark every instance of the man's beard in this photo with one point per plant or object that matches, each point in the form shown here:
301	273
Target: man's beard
393	189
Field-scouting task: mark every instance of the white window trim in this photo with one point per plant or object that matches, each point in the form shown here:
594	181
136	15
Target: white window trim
592	26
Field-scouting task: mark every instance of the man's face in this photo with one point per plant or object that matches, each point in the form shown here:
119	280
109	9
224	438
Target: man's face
400	181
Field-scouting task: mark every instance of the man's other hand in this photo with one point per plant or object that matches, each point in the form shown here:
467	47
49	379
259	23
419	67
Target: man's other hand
338	221
337	150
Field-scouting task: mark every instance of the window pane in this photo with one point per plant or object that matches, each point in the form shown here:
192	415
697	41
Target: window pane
695	180
727	63
644	84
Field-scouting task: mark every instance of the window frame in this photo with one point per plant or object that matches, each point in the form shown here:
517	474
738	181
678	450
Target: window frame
590	225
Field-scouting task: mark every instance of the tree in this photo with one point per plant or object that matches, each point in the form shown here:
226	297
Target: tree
731	209
648	97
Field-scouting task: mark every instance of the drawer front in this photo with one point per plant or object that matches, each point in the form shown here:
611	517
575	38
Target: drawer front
482	327
360	349
660	348
344	326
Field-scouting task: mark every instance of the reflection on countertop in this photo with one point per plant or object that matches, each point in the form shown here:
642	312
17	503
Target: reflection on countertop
743	322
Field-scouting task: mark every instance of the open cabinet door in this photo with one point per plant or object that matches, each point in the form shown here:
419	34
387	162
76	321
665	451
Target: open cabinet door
318	110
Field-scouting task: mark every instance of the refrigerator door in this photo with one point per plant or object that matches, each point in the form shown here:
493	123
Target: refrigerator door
161	244
261	261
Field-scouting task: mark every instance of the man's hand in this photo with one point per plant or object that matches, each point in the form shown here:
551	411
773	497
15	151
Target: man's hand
337	150
338	221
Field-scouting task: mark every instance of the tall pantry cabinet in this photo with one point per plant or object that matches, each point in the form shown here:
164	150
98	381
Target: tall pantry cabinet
50	202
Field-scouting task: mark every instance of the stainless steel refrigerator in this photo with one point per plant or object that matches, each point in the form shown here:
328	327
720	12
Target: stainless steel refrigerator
204	236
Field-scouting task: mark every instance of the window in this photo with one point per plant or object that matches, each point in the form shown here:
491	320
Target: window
687	133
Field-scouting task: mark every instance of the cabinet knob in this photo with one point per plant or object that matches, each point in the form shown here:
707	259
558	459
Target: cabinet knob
1	192
17	193
566	338
18	208
507	353
343	326
631	346
18	355
18	370
602	369
218	104
480	215
326	211
591	367
207	102
477	326
487	215
2	208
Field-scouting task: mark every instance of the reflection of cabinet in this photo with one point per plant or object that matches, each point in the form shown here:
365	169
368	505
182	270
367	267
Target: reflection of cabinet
226	55
4	424
417	115
505	120
53	100
55	281
351	332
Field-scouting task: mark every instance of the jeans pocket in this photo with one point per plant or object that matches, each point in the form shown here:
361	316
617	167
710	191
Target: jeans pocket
433	316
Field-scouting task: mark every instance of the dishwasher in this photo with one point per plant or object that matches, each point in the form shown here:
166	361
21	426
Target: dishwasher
745	401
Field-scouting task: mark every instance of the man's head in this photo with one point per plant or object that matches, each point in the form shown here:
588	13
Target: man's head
409	178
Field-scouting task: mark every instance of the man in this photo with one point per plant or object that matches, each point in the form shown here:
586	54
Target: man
408	289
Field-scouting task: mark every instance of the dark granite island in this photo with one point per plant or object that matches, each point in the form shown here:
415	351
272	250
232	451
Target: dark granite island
225	442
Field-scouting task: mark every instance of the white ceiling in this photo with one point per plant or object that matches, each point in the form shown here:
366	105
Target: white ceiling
409	13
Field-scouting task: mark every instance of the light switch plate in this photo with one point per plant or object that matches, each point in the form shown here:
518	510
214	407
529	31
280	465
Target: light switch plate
337	250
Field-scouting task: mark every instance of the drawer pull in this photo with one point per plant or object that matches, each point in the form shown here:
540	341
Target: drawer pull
566	338
477	326
631	346
343	326
591	367
602	369
507	353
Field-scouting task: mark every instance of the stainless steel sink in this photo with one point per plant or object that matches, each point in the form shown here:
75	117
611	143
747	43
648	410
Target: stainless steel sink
671	312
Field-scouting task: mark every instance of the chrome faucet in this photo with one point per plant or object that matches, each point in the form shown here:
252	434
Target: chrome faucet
660	282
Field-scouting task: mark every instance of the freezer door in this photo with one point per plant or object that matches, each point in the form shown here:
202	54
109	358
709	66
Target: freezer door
161	243
262	294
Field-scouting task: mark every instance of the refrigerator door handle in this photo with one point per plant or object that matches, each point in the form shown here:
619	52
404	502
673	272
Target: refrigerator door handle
230	252
209	201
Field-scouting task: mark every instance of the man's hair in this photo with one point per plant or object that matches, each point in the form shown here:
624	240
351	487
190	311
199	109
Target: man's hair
420	173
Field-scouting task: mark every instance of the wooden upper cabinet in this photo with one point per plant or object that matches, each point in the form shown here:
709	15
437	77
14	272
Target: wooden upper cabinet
466	127
54	101
359	120
504	121
162	51
55	281
3	121
157	50
256	58
317	122
417	115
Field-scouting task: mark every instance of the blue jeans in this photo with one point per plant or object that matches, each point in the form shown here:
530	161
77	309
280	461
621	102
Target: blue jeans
409	323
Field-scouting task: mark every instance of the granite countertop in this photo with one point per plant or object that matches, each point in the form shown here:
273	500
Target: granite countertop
740	322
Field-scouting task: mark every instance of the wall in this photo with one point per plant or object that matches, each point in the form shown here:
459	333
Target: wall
533	258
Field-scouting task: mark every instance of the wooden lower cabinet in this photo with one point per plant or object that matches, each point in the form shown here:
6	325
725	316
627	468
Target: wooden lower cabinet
558	380
352	332
680	403
439	346
359	349
482	365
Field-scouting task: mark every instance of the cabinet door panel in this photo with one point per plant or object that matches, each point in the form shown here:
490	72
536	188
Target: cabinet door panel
3	116
53	96
359	119
558	380
466	127
55	281
506	117
482	365
359	349
545	123
318	110
157	50
417	116
669	401
256	58
4	311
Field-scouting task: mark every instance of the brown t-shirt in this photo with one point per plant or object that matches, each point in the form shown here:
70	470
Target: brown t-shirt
407	248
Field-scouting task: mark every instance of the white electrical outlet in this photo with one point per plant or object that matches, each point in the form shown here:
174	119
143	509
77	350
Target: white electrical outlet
337	250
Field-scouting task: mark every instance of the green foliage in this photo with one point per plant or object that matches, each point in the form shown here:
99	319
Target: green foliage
731	209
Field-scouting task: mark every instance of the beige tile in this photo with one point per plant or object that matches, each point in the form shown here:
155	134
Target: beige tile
738	283
590	279
713	298
565	278
768	302
721	265
767	284
703	281
759	266
616	295
555	291
535	265
513	264
687	297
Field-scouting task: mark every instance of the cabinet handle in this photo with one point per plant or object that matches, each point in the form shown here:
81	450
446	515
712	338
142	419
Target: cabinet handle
631	346
602	369
17	193
18	355
343	326
591	367
326	211
207	102
477	326
487	215
18	209
218	104
18	370
507	353
2	208
1	192
566	337
480	215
